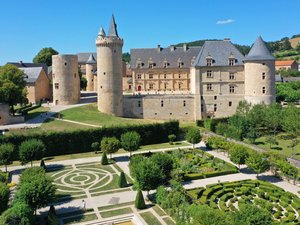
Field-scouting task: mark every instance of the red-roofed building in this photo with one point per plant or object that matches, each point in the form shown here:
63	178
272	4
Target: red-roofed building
286	64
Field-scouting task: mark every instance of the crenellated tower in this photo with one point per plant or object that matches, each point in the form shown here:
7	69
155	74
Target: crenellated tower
109	71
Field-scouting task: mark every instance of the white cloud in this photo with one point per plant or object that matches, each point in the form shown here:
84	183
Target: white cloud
221	22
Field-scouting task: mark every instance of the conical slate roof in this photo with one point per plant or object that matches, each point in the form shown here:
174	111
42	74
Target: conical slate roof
102	32
91	60
259	51
112	32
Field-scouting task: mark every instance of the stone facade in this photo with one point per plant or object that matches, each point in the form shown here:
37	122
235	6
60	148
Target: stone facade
6	118
66	81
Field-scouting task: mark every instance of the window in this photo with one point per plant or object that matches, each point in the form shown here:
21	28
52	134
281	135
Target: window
202	108
151	65
231	89
215	97
209	87
139	65
129	87
74	75
139	76
209	74
231	62
215	107
66	63
231	76
184	103
162	103
151	86
150	76
166	65
263	76
139	103
264	90
179	86
165	76
230	104
165	85
56	86
179	76
180	64
201	97
208	62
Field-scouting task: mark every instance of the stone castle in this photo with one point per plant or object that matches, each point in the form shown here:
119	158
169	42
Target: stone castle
185	83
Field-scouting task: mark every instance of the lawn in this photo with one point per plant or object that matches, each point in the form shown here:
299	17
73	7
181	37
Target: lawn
80	219
36	112
150	218
116	212
89	114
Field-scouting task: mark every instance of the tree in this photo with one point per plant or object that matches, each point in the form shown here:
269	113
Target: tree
134	164
286	45
238	154
52	217
19	213
252	215
45	56
130	141
139	200
30	150
110	145
122	180
273	118
4	197
172	138
148	175
6	154
257	162
104	160
164	162
36	188
12	86
193	136
95	146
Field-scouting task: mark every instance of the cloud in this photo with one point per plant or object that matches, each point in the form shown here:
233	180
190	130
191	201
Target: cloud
221	22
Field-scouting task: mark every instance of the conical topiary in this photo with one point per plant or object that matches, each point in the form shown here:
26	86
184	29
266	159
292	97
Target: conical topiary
52	217
104	160
139	200
122	180
43	165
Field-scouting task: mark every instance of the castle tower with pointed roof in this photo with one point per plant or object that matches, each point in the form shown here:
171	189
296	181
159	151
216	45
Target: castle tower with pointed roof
109	71
90	68
259	74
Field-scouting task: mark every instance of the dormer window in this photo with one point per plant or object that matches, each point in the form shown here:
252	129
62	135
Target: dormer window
166	64
231	60
209	60
139	63
180	64
193	60
151	65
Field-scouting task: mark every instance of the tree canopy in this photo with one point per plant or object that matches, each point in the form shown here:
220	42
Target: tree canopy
193	136
30	150
6	154
45	56
130	141
110	145
257	163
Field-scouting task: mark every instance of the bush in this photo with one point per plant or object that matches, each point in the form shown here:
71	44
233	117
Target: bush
78	141
4	197
139	200
122	180
104	160
172	138
4	177
95	146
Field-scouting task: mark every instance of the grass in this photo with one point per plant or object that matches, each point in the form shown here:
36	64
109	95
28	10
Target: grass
102	208
89	114
110	192
80	219
158	210
150	218
116	212
169	221
112	185
36	112
72	213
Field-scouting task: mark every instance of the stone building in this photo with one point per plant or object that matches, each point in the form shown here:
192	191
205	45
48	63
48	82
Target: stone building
66	81
213	79
286	64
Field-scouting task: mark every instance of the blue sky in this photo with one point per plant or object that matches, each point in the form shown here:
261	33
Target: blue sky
71	26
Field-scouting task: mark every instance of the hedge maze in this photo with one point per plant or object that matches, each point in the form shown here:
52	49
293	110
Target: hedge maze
229	196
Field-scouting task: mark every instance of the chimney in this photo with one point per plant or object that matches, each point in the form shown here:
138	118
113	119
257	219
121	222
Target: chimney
185	47
172	48
158	48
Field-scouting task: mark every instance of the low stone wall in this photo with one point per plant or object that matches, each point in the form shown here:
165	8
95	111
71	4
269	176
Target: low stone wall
6	118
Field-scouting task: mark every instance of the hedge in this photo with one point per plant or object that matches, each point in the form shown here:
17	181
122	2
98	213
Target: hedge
78	141
195	176
211	124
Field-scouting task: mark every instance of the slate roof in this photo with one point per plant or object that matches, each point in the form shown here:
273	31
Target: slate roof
159	57
91	59
32	73
220	51
22	64
112	32
259	51
84	56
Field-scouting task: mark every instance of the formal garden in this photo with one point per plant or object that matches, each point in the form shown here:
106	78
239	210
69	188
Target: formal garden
231	196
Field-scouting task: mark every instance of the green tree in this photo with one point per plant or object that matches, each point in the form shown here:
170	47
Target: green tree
126	57
172	138
20	213
139	200
130	141
273	118
36	189
12	86
257	163
4	197
238	154
286	45
110	145
252	215
6	154
45	56
122	180
164	162
134	164
95	146
30	150
193	136
104	160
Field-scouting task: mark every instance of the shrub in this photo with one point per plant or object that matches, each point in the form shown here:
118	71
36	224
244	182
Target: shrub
95	146
4	197
32	149
122	180
139	200
52	217
104	160
172	138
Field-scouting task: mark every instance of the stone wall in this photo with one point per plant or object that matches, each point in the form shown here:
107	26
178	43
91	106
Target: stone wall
6	118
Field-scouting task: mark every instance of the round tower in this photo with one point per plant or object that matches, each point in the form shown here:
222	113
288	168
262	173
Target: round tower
259	74
109	71
66	81
90	68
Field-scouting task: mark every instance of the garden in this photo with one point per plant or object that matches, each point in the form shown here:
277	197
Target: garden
230	196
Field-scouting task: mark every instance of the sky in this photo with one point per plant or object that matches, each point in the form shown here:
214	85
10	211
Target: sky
71	26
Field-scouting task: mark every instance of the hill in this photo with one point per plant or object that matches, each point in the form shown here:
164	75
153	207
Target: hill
295	41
